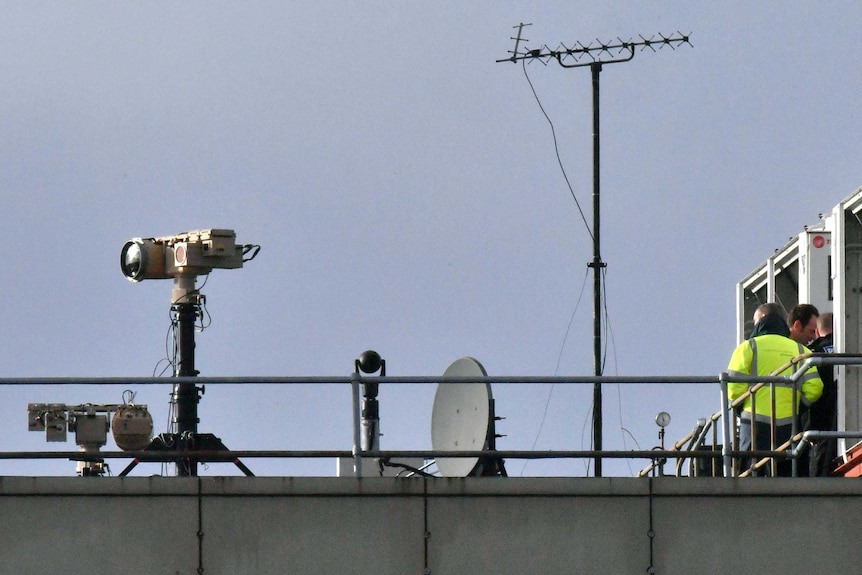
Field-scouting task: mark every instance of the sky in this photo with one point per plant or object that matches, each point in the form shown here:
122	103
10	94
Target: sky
406	193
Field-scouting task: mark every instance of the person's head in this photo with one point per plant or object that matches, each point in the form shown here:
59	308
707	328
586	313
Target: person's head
766	309
824	324
802	320
769	319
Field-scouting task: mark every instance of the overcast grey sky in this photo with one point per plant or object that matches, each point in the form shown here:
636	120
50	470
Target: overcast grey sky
406	194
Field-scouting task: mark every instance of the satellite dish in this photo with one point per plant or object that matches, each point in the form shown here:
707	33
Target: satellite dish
461	419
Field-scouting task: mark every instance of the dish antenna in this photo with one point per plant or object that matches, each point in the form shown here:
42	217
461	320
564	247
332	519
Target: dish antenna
463	420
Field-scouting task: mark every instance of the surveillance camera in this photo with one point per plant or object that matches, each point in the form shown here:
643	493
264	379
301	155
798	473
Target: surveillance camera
143	259
184	255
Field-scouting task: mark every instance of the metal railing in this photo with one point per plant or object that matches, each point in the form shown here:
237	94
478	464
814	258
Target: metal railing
761	461
699	445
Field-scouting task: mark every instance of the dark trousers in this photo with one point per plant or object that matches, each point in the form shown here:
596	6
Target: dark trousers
784	467
823	453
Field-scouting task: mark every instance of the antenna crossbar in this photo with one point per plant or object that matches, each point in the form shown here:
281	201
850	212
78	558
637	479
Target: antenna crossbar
597	51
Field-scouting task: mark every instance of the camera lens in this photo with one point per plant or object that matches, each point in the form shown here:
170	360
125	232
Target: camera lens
131	260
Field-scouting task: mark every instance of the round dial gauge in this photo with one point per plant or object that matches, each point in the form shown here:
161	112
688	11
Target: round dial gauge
662	419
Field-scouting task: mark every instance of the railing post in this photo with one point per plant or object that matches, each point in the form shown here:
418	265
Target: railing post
727	413
794	460
773	430
357	435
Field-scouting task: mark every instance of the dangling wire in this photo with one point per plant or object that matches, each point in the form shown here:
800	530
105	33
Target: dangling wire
557	369
557	149
172	351
129	397
203	315
172	345
589	232
253	249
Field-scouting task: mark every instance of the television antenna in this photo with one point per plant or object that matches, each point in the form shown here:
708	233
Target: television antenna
595	55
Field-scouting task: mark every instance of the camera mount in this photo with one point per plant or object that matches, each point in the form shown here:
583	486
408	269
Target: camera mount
183	257
131	425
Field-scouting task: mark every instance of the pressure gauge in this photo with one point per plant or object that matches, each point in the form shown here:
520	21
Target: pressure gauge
662	419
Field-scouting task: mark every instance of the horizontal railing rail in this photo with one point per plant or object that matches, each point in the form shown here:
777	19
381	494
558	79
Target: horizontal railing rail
657	457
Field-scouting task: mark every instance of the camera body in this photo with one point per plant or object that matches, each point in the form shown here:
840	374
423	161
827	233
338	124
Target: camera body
184	255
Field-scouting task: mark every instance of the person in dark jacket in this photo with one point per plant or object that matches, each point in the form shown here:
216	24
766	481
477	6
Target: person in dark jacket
802	320
823	414
769	351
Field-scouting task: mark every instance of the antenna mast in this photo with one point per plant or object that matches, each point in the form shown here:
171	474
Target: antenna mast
595	56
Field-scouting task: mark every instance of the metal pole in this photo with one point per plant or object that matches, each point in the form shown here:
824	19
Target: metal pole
794	462
597	265
726	414
357	434
613	52
186	395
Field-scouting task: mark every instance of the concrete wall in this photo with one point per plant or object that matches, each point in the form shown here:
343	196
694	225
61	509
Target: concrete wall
238	525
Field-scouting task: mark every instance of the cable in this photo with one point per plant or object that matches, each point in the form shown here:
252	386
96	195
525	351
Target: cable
170	362
607	333
173	353
588	461
571	320
589	232
610	343
253	248
557	370
203	315
557	149
168	365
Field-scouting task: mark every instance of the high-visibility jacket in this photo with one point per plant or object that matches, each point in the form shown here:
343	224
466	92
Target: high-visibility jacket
764	355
